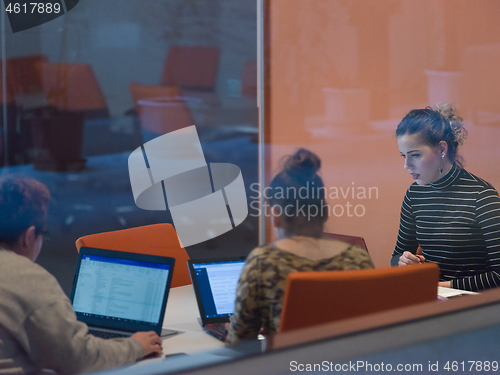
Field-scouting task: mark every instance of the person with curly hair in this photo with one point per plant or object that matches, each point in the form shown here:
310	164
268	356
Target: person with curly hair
451	214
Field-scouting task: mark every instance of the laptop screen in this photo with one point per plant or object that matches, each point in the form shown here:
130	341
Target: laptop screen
215	283
121	289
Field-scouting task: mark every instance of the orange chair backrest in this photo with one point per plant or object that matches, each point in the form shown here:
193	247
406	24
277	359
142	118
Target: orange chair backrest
156	239
140	91
191	67
360	241
164	115
26	73
72	87
313	298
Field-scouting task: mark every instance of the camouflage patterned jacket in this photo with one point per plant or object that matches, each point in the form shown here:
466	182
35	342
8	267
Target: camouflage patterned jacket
261	287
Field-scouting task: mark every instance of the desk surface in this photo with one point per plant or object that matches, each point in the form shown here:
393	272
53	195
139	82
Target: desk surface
182	315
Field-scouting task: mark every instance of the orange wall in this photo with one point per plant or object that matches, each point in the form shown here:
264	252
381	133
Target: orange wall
377	60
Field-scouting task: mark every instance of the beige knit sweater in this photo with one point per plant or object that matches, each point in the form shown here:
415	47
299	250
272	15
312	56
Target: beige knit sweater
38	327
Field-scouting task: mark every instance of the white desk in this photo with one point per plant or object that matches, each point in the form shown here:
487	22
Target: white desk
182	314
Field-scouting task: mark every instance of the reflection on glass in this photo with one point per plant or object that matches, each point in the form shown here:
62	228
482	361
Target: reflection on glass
86	89
343	73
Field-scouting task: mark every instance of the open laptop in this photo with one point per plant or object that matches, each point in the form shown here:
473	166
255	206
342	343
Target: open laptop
119	293
214	282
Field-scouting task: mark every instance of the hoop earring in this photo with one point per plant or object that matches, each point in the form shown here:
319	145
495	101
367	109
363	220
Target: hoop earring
441	166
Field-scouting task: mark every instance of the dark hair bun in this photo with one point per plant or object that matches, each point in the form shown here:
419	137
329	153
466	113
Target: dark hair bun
303	164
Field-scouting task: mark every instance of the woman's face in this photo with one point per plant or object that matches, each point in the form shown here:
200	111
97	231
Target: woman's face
421	160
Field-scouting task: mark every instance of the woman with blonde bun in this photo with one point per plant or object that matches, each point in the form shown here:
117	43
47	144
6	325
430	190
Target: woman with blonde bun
293	194
451	214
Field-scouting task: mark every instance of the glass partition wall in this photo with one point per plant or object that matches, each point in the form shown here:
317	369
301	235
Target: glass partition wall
338	77
82	92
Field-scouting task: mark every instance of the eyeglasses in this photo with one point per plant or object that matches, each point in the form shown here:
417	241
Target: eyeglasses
46	235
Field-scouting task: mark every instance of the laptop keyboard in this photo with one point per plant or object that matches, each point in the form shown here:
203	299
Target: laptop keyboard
106	335
217	330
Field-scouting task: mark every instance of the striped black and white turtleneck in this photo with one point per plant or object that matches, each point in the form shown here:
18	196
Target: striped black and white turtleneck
456	222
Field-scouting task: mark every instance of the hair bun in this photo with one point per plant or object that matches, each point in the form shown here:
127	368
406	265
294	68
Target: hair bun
450	114
303	164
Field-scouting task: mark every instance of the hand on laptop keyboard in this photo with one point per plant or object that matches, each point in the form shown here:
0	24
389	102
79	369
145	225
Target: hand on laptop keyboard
150	341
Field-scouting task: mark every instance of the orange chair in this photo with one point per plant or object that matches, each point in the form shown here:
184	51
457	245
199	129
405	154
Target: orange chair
156	239
164	115
193	67
72	91
161	109
360	241
26	73
140	91
313	298
72	87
